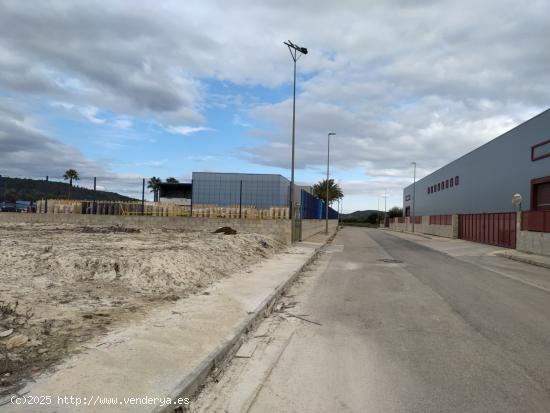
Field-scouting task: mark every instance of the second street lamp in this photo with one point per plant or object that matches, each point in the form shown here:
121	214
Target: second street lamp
414	194
296	52
328	163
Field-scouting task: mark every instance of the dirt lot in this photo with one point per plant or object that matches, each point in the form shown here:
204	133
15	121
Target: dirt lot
61	285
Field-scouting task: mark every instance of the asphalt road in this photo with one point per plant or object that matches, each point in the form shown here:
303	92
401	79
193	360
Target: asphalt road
430	332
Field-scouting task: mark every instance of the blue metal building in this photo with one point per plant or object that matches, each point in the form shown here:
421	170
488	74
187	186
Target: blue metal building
226	189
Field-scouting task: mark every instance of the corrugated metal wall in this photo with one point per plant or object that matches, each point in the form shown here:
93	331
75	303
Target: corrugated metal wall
314	208
495	229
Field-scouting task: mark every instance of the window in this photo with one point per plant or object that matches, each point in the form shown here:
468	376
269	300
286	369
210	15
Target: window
456	180
540	151
447	183
428	190
452	182
442	184
438	187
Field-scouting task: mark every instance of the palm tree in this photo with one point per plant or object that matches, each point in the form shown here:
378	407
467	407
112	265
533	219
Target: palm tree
153	185
172	180
334	190
71	175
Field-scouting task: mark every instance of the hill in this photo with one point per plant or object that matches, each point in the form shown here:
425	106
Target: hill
359	216
16	189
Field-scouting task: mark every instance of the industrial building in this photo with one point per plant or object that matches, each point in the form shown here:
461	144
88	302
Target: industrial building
473	194
257	190
485	179
227	189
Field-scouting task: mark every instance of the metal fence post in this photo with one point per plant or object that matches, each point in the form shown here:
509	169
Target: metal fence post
143	197
241	200
46	196
191	209
94	207
3	188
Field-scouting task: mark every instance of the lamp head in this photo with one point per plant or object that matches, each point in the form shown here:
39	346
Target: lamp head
302	50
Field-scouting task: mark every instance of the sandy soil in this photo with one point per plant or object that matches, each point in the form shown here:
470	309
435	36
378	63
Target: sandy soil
61	285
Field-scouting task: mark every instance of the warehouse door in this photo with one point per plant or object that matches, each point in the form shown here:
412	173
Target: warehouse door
495	229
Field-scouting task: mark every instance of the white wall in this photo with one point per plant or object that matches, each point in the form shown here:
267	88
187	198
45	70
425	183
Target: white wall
311	227
447	231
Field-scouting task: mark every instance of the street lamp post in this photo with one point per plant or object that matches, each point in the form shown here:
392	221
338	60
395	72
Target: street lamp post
338	214
328	163
385	199
378	211
414	194
295	51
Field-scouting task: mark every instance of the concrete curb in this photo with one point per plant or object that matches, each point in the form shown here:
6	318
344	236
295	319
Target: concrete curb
190	384
523	259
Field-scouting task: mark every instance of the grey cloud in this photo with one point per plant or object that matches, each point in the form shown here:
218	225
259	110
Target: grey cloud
123	58
397	80
28	152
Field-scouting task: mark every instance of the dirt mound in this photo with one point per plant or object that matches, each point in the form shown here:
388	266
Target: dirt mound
62	284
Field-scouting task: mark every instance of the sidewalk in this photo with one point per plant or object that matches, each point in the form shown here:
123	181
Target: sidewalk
533	259
458	247
173	350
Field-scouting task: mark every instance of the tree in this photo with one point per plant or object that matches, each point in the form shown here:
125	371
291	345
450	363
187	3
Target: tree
153	184
172	180
71	175
334	190
373	218
395	212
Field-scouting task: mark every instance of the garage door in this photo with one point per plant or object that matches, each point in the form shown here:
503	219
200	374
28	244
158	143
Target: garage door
542	196
494	229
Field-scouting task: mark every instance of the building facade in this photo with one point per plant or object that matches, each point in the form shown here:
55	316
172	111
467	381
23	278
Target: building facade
484	180
230	189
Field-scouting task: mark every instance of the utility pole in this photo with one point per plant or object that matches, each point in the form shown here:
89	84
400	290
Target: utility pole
296	52
414	194
378	211
328	163
385	198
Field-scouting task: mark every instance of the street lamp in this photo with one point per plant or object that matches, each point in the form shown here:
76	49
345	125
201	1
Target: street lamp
414	194
296	52
378	211
328	162
385	201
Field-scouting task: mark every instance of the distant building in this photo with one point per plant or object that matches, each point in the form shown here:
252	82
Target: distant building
226	189
177	194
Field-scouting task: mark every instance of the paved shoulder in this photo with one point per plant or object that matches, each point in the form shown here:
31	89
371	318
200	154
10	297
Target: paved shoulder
387	339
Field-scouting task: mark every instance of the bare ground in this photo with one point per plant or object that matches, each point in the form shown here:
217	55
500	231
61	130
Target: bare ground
62	285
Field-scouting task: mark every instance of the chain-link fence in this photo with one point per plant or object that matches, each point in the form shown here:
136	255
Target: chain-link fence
134	196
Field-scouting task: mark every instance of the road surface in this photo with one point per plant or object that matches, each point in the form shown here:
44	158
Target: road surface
382	323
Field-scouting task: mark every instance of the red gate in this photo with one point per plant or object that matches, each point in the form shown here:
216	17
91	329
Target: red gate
494	229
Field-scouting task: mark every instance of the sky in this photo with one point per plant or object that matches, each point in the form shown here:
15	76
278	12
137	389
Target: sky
122	90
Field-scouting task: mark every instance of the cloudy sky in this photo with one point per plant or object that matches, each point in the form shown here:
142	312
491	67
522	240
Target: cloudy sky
125	89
